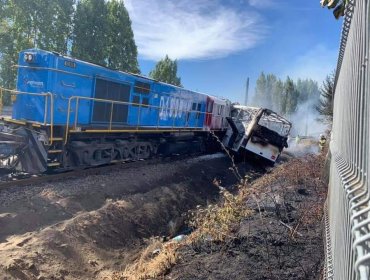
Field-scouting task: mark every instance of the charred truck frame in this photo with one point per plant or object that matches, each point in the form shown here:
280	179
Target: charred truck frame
257	130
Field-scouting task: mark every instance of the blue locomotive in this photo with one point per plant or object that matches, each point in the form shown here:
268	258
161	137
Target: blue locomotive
70	114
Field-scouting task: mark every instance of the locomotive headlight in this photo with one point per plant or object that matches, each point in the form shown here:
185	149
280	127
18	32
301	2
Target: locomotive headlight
28	57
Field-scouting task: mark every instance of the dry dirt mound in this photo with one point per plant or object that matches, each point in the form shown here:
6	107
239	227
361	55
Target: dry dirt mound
85	246
87	228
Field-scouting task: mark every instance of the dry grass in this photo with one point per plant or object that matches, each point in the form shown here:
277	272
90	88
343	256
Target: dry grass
220	221
298	171
297	174
155	260
217	222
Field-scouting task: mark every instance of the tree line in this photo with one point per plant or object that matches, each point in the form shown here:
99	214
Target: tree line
284	97
96	31
287	97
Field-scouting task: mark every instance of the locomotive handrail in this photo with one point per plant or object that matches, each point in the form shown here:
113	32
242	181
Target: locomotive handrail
46	95
112	102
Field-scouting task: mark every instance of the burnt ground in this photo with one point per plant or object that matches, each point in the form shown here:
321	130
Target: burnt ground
280	239
87	228
271	228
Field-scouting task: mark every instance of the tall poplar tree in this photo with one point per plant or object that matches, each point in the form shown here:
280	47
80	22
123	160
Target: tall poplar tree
268	92
260	90
90	33
277	95
291	97
103	35
122	50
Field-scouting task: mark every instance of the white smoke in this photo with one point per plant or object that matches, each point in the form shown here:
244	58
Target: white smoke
306	121
302	147
306	130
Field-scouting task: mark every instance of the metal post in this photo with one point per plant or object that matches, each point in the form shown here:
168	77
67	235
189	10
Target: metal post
76	113
111	116
246	92
138	118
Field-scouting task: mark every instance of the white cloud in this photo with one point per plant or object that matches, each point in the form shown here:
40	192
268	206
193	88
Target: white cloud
316	64
261	3
192	29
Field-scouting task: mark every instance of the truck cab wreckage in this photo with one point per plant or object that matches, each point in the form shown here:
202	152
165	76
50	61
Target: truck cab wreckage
257	130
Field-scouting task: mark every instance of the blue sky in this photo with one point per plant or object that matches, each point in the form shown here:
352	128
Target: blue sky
219	43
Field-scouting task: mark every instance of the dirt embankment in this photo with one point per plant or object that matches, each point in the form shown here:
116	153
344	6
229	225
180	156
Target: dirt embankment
270	229
89	227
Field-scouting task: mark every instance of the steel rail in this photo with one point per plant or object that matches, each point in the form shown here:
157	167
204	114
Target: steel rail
89	171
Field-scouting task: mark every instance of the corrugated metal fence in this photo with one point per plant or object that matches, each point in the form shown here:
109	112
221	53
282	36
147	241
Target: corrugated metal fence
348	206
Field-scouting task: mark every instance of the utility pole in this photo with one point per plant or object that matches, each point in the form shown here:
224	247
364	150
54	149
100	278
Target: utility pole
246	92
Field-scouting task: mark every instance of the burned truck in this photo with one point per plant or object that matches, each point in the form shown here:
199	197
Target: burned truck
256	130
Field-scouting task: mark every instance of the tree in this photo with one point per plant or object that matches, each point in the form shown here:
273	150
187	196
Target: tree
62	26
264	90
326	103
36	23
291	97
269	92
285	98
90	33
277	97
166	71
103	35
31	23
122	50
308	90
98	30
260	90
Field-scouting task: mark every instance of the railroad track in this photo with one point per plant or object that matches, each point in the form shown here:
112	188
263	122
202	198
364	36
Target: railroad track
99	170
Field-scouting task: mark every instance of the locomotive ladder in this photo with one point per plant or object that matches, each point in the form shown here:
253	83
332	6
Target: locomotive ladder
56	149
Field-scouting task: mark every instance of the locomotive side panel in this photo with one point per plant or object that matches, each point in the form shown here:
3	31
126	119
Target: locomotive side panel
178	107
82	94
71	78
33	77
81	115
